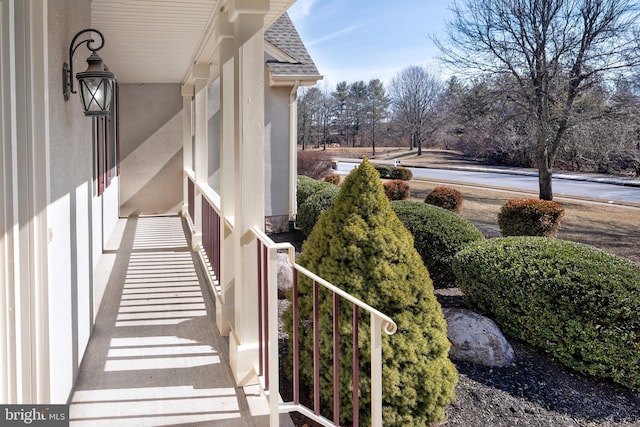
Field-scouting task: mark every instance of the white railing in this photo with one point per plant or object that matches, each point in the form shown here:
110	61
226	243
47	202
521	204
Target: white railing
268	363
268	347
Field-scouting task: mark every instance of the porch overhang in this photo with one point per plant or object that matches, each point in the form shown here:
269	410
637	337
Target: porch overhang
159	41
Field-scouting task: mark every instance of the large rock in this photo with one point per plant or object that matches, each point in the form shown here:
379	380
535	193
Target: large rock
285	275
476	339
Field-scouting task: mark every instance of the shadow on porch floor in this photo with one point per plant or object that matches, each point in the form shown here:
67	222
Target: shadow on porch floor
155	357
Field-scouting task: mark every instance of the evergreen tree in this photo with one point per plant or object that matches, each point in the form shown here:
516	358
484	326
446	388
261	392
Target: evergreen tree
362	247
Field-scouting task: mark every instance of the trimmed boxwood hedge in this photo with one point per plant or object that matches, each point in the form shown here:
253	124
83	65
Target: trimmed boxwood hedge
438	235
314	205
576	302
306	186
394	172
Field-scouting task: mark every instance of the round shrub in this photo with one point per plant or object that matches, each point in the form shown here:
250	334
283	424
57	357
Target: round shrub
306	186
396	190
394	172
576	302
401	173
384	171
530	217
360	246
332	178
445	197
314	205
438	235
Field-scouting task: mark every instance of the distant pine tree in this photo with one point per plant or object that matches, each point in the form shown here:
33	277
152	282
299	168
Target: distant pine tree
362	247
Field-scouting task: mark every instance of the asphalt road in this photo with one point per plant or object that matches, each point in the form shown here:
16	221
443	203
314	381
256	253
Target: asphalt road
525	181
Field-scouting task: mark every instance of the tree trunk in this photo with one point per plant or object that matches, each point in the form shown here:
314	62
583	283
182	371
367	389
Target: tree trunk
544	170
544	182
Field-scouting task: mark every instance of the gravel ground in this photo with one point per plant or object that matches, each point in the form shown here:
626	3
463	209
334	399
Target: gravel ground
534	391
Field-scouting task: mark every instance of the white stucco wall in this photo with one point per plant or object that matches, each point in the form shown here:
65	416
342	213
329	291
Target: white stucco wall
277	151
76	224
150	149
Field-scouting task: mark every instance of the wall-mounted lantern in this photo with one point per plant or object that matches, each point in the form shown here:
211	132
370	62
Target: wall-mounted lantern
96	82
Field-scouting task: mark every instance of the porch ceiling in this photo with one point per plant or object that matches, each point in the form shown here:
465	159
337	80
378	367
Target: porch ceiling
156	41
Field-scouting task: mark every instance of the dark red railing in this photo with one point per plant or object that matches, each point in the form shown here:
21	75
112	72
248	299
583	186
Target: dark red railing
211	237
268	339
263	312
191	199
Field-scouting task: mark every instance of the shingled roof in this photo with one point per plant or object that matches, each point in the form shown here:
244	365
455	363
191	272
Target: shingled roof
284	36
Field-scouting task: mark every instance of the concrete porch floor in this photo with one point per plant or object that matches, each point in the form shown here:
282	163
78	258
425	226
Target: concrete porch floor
155	357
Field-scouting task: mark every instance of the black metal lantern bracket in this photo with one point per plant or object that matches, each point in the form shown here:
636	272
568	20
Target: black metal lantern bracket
96	69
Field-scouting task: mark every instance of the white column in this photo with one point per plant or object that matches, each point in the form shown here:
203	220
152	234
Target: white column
24	140
201	167
225	301
248	183
8	142
187	154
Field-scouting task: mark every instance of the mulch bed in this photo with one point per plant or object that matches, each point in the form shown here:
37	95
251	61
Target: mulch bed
535	391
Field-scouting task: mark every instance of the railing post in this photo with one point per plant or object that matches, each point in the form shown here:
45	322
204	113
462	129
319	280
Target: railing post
272	349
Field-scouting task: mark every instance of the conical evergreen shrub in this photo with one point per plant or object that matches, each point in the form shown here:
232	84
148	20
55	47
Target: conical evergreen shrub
361	246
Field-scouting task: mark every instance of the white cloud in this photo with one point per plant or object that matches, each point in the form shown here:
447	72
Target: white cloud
301	9
331	36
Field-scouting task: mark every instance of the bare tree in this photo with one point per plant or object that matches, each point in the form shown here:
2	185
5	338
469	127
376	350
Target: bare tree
314	116
554	49
415	94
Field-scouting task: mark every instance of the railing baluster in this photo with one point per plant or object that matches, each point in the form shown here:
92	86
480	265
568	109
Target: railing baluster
296	342
336	361
260	326
376	371
265	302
356	366
316	350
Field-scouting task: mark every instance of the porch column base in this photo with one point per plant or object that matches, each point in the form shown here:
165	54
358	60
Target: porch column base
241	358
224	316
196	241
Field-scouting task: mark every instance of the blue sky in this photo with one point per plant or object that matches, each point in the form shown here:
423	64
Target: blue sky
355	40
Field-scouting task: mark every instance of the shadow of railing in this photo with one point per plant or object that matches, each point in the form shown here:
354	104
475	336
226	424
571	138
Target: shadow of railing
156	357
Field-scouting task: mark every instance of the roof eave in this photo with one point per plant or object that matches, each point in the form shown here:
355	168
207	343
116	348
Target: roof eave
293	79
